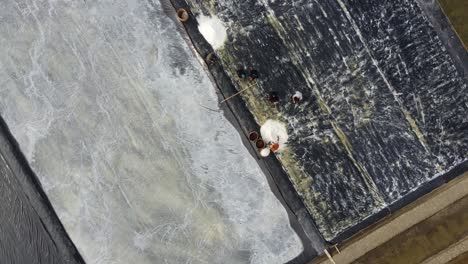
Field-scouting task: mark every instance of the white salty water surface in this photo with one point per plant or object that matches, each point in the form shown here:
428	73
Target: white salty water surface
105	100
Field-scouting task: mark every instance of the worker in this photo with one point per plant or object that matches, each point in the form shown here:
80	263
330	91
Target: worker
274	147
273	97
253	75
297	97
241	73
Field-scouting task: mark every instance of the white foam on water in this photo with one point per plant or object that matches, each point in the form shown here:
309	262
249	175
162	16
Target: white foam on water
105	99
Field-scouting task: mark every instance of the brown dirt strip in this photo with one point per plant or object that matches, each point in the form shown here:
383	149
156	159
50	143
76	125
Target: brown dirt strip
389	228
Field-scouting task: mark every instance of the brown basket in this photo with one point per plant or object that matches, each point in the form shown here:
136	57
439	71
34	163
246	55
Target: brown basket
182	15
253	136
260	143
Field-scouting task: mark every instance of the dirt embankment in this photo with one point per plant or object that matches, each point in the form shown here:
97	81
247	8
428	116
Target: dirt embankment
434	229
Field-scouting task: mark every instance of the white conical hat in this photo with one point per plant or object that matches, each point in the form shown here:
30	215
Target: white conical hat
274	131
